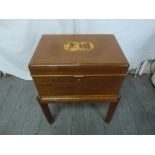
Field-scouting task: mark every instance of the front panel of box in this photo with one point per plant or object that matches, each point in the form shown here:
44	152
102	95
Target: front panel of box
49	86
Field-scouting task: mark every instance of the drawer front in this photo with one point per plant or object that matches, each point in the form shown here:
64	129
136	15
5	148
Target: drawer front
77	85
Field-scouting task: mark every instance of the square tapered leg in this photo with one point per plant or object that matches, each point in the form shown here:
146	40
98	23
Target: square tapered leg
111	110
46	111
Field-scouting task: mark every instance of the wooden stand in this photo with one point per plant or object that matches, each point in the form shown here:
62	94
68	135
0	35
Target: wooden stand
49	117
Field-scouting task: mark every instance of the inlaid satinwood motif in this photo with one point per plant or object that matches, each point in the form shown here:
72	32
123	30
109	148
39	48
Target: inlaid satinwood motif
79	46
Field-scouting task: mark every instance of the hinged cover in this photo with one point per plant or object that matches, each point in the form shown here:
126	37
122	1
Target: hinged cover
84	53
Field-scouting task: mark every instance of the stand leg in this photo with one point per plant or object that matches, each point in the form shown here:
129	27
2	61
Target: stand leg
111	110
46	111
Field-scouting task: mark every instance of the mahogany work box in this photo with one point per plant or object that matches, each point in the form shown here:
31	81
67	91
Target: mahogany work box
78	69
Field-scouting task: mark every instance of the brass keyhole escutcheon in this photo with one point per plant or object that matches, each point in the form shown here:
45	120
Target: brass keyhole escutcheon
78	79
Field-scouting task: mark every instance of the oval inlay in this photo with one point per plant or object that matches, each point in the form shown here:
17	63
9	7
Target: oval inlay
79	46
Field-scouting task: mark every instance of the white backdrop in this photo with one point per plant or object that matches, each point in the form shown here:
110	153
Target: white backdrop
19	38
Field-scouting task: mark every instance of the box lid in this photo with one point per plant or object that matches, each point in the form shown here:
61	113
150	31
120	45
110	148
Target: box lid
51	50
78	50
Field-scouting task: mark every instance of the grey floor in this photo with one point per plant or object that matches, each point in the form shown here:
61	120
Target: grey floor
20	113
